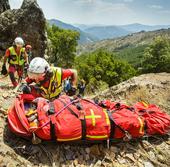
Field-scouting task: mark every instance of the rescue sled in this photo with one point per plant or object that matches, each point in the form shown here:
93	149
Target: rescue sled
72	119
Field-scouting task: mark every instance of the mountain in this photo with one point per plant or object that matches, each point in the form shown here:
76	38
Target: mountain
93	33
129	48
107	32
136	27
84	37
86	26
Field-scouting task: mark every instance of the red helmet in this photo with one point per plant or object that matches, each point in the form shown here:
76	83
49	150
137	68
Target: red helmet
28	47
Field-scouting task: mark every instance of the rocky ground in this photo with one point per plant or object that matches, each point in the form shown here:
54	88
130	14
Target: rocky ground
148	152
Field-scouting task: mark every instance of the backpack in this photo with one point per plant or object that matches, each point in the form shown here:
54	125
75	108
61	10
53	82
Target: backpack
157	121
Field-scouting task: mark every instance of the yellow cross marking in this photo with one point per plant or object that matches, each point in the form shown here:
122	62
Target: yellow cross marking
92	116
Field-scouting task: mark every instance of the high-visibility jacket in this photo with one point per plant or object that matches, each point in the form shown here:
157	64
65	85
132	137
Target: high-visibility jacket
55	84
16	59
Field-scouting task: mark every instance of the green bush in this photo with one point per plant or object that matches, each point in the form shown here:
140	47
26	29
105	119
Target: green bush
157	56
64	43
103	67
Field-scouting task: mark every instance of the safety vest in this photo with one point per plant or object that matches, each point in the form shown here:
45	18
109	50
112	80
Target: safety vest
16	59
55	85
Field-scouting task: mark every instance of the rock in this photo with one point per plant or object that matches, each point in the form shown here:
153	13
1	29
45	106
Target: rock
114	149
130	156
148	164
152	155
5	95
10	165
4	5
87	150
98	163
122	161
146	145
94	150
69	154
161	158
87	157
139	164
28	22
136	155
168	142
148	87
75	162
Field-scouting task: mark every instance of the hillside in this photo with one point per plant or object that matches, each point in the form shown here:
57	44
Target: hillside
131	41
84	37
107	32
113	31
149	152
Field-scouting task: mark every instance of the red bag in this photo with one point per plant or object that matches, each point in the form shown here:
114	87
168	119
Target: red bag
157	121
71	120
67	119
129	121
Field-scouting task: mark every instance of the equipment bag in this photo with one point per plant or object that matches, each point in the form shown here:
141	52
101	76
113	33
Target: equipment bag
157	121
67	119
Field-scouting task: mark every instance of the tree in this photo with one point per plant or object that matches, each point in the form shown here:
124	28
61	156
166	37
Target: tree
157	56
64	43
103	67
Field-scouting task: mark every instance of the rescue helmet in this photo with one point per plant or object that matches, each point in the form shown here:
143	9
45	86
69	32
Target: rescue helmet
19	41
38	65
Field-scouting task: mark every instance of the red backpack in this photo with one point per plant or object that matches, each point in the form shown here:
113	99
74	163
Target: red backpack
157	121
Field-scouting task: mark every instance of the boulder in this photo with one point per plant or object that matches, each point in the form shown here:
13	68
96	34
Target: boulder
27	22
4	5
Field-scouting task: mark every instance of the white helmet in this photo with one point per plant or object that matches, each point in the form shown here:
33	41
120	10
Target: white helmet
19	41
38	65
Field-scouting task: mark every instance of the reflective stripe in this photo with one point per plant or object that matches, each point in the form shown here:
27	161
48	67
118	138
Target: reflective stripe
97	137
145	104
107	117
141	130
18	59
54	85
76	138
92	116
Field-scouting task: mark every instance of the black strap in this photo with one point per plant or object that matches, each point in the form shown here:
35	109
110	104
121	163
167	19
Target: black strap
112	124
83	128
52	125
83	121
51	109
52	132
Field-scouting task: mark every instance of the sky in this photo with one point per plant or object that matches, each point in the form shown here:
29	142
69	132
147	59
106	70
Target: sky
105	12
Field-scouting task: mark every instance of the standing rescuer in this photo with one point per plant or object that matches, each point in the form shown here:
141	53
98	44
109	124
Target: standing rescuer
17	59
28	49
48	80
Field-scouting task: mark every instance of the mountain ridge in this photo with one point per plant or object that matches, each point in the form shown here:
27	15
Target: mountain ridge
93	33
131	40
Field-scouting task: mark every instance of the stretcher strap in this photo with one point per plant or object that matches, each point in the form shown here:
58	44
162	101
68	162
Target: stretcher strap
52	122
112	123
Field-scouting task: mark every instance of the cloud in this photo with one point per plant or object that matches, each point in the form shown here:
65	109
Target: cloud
109	12
156	7
128	0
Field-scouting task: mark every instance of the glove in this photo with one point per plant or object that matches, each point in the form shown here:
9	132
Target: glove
72	91
4	70
25	89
